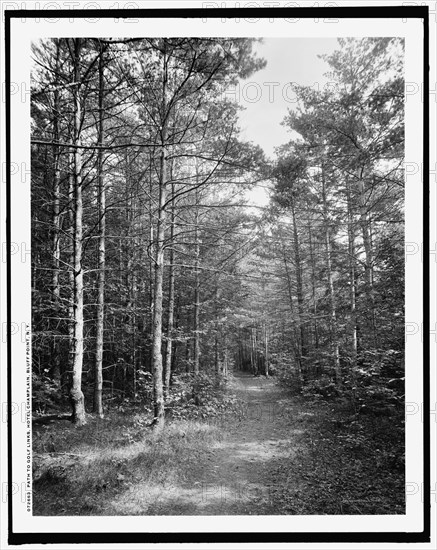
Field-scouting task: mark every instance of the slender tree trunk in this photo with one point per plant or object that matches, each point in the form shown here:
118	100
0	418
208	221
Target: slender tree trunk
151	247
367	241
266	350
76	394
295	346
171	303
216	354
225	357
158	393
332	303
196	289
216	339
352	276
134	335
188	354
131	278
56	186
133	285
98	373
289	286
66	383
56	221
149	281
313	286
254	354
299	291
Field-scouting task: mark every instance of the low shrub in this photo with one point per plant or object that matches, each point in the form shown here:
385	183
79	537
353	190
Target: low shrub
198	396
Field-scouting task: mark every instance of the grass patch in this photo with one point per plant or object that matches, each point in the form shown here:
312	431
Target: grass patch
117	465
87	470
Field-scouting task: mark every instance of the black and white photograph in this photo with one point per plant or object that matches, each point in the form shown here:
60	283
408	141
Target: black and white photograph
218	285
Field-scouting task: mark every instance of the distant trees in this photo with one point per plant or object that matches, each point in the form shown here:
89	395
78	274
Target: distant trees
333	238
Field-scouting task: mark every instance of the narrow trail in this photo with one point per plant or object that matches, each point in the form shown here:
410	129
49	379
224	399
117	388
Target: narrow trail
237	477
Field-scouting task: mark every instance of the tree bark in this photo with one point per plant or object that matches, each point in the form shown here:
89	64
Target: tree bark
71	276
225	357
352	276
158	393
254	355
266	350
313	286
295	346
368	271
216	331
98	383
299	289
171	303
56	220
332	302
77	397
151	245
158	396
196	289
216	354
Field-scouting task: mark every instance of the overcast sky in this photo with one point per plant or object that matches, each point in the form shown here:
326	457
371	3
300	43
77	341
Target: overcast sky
266	95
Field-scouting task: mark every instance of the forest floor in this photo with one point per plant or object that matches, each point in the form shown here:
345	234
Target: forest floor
274	454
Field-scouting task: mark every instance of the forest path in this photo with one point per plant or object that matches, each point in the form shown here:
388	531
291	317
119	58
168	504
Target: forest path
239	475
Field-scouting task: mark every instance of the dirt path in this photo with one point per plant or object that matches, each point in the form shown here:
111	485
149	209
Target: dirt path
238	475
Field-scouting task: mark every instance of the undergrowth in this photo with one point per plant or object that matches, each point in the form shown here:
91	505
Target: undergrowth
345	463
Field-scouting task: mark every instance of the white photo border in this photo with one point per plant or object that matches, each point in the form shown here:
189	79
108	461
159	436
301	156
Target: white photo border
27	28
